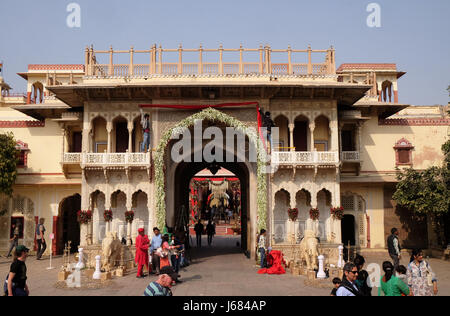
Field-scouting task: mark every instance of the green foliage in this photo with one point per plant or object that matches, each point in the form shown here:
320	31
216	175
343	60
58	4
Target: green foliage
8	163
427	192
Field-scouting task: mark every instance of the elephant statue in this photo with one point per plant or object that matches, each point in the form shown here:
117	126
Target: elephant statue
111	251
309	250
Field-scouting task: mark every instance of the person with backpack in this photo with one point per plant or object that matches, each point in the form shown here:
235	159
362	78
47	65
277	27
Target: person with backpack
16	282
348	286
40	232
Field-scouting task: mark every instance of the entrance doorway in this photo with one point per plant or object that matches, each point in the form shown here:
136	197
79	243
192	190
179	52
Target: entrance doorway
348	230
68	226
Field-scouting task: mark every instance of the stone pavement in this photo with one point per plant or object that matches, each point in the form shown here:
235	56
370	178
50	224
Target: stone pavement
220	270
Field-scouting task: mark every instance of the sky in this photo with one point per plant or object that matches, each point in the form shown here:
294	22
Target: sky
413	34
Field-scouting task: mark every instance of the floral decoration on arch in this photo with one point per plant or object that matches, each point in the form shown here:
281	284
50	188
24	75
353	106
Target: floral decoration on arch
84	217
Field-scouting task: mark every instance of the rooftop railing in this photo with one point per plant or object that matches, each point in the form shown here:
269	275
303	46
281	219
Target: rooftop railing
157	64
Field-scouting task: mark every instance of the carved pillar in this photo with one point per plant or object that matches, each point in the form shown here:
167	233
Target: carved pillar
312	126
130	137
291	137
358	137
129	206
334	136
341	125
109	130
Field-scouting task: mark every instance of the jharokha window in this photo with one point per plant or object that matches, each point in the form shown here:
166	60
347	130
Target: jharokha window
403	152
22	154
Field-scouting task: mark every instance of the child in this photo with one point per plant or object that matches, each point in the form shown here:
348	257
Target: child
336	282
401	273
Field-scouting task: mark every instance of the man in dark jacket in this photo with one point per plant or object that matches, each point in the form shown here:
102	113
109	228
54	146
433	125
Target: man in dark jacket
198	232
394	247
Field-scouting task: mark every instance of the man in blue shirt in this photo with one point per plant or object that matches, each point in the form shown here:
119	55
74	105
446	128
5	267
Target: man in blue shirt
154	245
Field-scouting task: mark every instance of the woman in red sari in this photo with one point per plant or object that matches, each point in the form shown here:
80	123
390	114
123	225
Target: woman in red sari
142	245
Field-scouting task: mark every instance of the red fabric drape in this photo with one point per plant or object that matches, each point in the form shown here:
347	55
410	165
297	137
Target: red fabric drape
275	257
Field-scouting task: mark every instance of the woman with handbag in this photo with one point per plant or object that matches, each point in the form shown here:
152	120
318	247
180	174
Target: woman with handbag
421	278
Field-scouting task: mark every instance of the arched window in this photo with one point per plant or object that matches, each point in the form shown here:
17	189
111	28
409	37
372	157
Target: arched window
403	152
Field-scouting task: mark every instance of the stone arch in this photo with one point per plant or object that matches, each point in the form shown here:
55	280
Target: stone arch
322	133
141	212
282	122
212	115
99	134
118	208
68	228
280	215
386	91
303	203
37	92
119	134
98	206
354	204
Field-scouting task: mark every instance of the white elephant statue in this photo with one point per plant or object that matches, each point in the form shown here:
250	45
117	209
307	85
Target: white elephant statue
111	251
309	250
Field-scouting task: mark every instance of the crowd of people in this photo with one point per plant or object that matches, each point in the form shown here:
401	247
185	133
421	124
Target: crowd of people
417	279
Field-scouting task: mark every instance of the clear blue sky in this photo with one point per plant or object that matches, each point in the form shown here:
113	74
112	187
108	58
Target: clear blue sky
414	33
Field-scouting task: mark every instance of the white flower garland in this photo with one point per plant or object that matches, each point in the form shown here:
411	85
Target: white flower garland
213	115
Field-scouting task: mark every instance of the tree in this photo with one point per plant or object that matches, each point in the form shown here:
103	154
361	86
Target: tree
8	163
427	192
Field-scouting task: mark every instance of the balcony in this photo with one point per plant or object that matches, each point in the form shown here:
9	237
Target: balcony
99	63
106	160
305	158
350	156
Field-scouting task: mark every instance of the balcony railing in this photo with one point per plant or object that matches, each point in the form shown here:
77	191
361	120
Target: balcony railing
305	157
100	63
107	159
350	156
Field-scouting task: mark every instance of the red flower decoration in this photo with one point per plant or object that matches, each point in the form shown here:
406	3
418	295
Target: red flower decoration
293	214
314	213
129	216
108	215
337	212
84	217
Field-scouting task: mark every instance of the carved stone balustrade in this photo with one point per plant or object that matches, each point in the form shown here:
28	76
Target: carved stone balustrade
107	159
305	158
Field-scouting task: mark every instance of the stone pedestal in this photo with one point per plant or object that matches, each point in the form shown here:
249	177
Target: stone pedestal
336	273
311	274
105	276
89	273
62	275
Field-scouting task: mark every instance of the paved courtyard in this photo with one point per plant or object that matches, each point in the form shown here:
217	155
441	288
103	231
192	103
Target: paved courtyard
220	270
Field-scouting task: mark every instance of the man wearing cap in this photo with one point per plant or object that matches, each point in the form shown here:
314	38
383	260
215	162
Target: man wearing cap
16	285
162	286
142	245
145	123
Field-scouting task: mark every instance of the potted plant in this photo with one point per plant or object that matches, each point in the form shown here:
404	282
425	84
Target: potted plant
108	215
337	212
314	213
84	217
293	214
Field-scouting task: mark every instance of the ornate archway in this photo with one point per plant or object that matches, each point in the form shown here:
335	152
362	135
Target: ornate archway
212	115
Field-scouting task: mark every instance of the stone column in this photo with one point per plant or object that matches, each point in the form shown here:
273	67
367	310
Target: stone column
334	136
109	130
130	137
312	127
129	206
291	136
358	137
